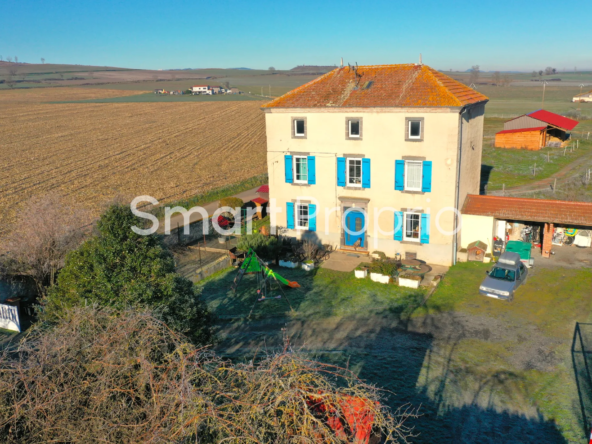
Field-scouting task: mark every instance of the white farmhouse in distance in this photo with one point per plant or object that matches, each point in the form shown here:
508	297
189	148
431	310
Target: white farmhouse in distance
201	89
584	97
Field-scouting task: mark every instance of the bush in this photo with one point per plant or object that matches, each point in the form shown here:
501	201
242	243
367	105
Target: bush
119	268
383	267
232	202
264	246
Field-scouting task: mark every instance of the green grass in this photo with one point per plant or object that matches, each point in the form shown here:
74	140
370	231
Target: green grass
513	167
157	98
216	194
322	293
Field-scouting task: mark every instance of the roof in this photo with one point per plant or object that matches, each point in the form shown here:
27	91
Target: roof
554	119
584	94
522	130
407	85
534	210
202	86
259	200
478	244
263	189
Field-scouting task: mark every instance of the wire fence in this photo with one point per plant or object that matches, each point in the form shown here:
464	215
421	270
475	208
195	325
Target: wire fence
581	354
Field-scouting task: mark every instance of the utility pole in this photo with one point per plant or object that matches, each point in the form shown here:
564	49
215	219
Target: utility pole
544	85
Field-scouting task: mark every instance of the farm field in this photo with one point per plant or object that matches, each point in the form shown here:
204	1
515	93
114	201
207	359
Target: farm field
42	95
93	153
163	98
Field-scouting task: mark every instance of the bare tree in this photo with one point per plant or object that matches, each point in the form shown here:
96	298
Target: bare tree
45	231
42	61
497	78
9	59
91	74
506	80
541	73
534	74
474	74
15	59
549	71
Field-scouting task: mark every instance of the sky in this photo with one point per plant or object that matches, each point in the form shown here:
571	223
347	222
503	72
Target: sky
501	35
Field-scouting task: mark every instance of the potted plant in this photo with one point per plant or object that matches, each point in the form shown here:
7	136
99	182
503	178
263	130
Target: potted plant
288	263
361	271
381	271
308	265
409	280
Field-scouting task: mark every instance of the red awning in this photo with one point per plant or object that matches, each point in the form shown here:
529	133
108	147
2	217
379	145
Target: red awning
263	189
259	201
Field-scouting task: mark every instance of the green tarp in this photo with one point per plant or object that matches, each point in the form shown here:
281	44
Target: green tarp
522	248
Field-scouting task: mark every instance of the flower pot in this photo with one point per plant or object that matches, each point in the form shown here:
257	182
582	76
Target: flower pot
381	278
410	283
222	239
307	267
288	264
361	274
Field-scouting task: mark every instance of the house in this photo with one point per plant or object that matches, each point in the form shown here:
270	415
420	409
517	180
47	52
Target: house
584	97
215	89
535	130
233	91
160	91
375	158
201	89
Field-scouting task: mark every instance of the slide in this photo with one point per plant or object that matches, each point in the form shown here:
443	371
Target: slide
284	281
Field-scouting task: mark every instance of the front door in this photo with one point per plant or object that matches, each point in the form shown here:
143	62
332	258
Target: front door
354	235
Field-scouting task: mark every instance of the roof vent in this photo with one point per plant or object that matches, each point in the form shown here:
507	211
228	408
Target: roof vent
368	84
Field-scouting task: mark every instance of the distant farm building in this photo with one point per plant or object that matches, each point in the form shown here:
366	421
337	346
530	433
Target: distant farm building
584	97
535	130
201	89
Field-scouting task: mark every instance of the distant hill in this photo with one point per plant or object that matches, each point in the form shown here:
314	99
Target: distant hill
312	69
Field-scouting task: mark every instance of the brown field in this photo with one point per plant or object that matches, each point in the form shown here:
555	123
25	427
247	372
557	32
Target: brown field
40	95
92	153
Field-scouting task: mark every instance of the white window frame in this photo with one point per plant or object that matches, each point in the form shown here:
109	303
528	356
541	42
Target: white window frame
409	129
347	183
296	133
410	239
349	125
406	187
297	216
296	180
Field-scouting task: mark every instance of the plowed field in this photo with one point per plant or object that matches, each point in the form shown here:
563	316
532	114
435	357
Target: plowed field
92	153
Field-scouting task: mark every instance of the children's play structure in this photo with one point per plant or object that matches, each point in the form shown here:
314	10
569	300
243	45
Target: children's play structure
266	277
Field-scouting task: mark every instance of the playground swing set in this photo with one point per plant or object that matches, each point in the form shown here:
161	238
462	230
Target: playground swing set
253	264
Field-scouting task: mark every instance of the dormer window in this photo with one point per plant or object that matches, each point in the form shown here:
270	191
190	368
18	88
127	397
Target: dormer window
414	129
353	128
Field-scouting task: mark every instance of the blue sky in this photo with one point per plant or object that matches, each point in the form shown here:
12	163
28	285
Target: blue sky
504	35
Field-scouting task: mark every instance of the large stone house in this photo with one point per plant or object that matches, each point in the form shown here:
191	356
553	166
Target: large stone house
376	158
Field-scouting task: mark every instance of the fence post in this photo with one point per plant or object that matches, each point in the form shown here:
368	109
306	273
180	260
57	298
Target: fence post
554	185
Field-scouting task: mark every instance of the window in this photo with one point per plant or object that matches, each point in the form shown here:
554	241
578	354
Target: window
299	128
412	226
354	128
414	129
413	175
301	169
354	172
302	216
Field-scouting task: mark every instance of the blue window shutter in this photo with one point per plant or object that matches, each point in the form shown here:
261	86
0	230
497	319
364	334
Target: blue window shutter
426	179
341	171
312	172
424	236
365	173
290	215
289	172
398	225
312	217
399	175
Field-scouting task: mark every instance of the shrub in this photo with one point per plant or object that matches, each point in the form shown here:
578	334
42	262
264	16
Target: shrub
265	246
232	202
119	268
383	267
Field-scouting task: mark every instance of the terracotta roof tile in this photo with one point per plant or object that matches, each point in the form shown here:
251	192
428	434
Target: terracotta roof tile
407	85
534	210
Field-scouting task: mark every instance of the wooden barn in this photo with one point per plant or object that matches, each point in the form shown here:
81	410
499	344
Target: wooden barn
535	130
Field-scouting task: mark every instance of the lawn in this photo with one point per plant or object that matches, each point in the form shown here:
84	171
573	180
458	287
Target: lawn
478	369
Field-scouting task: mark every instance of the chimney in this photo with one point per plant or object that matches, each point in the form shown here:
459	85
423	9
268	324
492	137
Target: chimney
420	59
342	62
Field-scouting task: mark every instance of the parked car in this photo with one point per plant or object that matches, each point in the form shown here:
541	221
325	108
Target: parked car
505	277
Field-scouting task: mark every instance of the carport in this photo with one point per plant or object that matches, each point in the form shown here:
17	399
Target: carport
553	227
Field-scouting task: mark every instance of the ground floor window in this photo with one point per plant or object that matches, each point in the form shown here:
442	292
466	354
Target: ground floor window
412	226
302	216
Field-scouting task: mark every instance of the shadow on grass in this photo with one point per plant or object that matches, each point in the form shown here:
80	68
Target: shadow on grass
581	355
369	328
485	178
